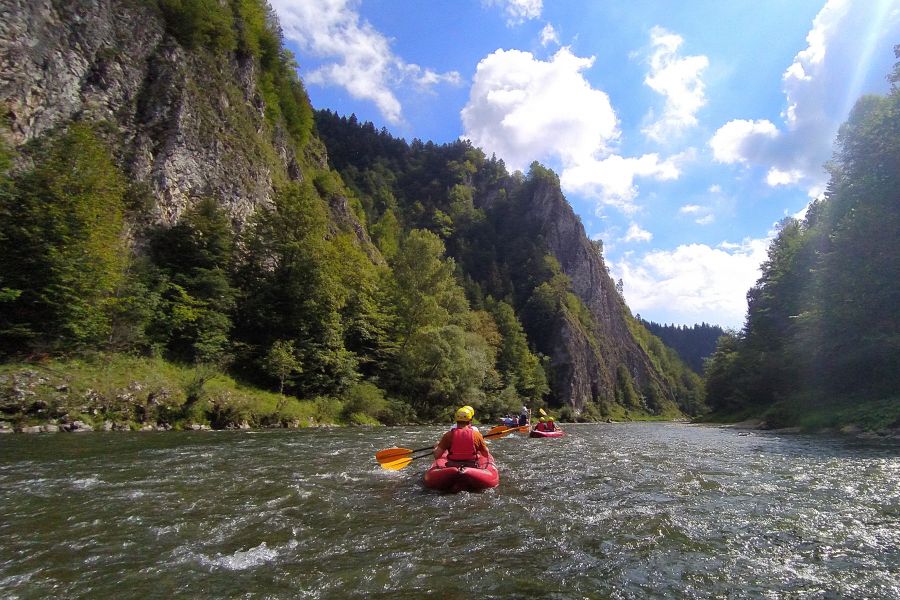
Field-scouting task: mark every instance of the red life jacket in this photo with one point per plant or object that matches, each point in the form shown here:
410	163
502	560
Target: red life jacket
462	445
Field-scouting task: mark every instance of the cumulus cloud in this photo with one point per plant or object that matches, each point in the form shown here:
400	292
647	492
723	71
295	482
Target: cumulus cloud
678	79
741	141
525	109
549	36
612	178
693	282
848	52
363	62
776	176
518	11
636	234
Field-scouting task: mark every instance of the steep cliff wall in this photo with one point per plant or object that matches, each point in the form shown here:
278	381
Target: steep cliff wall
190	123
584	370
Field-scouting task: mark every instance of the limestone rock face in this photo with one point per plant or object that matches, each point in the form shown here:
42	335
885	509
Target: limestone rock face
186	124
584	372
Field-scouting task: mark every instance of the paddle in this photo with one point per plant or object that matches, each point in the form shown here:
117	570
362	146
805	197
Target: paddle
394	459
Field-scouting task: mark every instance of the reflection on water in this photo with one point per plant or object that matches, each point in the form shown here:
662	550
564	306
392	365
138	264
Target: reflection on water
610	511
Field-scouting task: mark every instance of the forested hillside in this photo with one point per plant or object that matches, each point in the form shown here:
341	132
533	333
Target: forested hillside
693	344
171	197
821	343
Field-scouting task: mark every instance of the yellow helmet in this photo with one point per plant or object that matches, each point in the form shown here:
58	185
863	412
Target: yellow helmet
543	419
465	413
549	418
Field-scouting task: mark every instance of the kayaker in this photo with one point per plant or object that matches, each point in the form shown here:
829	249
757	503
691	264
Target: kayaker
463	443
550	424
542	425
524	416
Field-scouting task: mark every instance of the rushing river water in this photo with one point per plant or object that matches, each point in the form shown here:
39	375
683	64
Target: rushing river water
610	511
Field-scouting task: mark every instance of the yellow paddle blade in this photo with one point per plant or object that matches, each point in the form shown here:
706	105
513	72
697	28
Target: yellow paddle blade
543	412
392	453
396	464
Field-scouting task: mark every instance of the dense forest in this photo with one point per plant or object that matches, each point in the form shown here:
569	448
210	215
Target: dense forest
821	342
693	344
388	283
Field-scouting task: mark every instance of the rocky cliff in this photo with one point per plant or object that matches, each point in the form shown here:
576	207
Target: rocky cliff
585	359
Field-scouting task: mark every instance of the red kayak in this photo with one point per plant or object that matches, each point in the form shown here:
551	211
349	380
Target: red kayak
457	479
541	434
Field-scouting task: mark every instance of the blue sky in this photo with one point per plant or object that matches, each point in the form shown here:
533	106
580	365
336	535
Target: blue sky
682	131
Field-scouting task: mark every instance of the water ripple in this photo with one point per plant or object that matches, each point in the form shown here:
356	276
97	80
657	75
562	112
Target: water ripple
609	511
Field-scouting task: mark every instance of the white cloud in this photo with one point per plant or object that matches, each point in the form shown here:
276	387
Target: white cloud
741	141
636	234
848	53
611	179
693	283
678	79
518	11
703	214
715	189
363	64
526	109
776	176
549	35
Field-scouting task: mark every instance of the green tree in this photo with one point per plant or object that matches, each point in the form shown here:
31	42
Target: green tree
200	23
62	249
516	362
281	363
291	290
194	260
425	292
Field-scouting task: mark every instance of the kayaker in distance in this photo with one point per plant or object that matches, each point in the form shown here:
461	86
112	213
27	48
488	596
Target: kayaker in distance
546	424
525	416
463	443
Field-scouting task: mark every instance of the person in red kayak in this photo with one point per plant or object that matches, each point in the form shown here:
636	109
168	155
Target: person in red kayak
546	424
463	443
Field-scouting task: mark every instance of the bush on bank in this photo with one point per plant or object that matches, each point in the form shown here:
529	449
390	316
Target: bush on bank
130	392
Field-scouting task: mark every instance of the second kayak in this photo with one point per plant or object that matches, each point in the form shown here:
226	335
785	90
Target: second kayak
536	433
456	479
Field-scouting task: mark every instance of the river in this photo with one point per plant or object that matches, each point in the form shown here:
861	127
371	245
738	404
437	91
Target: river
609	511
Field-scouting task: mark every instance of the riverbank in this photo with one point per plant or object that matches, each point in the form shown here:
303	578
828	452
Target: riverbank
117	392
865	419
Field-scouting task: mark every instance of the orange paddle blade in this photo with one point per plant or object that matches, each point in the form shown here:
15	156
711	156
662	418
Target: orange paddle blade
392	453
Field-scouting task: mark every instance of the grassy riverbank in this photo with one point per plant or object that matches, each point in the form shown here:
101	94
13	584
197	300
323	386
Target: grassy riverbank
124	392
117	391
880	416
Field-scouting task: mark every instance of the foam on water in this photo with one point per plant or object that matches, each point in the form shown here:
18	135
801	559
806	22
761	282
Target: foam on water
242	559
